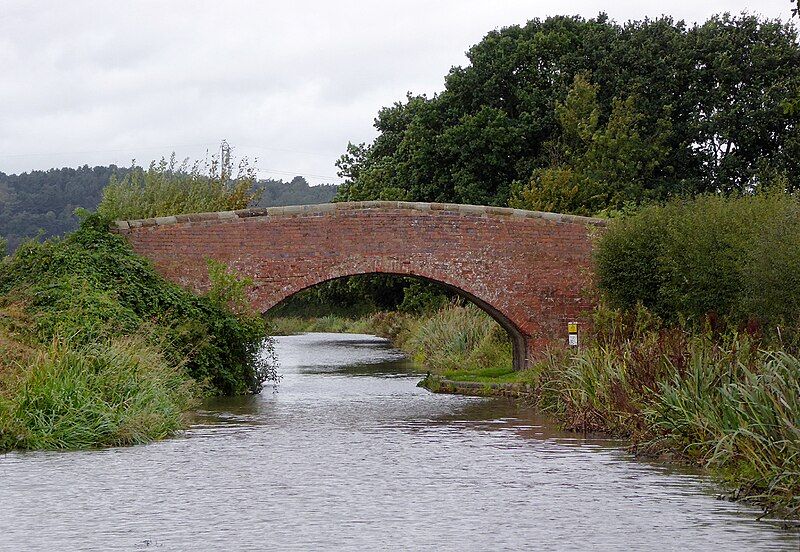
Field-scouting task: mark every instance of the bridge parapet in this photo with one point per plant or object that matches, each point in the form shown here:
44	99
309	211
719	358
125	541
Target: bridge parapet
327	208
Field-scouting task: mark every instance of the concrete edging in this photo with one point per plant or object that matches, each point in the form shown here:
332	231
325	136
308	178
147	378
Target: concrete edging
435	384
327	208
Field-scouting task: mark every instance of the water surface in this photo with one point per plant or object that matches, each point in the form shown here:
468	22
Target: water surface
348	454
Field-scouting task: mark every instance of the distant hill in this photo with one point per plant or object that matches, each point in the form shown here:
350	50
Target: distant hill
42	203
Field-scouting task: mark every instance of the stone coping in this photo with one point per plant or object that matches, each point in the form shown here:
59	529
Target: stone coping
325	208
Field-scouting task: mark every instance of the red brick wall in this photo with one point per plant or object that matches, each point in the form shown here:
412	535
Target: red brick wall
530	270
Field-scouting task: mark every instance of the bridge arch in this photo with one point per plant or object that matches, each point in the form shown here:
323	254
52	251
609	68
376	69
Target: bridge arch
514	333
531	271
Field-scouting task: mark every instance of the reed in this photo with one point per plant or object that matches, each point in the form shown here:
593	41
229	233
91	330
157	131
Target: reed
119	392
740	419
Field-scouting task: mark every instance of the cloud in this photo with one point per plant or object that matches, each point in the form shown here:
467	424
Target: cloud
289	82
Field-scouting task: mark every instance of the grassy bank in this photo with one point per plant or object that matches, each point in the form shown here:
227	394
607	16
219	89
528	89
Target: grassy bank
722	402
96	349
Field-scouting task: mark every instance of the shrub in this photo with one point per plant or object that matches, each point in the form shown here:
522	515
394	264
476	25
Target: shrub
91	286
168	188
734	258
627	260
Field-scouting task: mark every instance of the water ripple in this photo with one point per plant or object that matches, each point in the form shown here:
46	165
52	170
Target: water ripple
349	455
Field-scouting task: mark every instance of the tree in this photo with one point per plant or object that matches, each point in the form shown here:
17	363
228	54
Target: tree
42	203
745	68
596	167
718	87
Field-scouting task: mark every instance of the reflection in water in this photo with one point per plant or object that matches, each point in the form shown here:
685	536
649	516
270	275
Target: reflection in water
348	454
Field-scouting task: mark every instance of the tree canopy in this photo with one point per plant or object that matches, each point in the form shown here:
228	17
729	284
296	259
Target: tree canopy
711	95
44	202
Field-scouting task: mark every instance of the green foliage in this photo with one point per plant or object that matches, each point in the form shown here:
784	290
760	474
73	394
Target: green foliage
736	258
595	168
91	286
121	391
44	202
357	296
740	419
711	94
228	288
168	188
588	391
3	247
423	297
791	106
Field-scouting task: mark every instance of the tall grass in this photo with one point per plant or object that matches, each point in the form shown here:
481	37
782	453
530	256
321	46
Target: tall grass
588	391
717	401
172	188
119	392
458	338
740	419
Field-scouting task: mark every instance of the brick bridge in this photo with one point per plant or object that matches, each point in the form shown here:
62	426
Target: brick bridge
529	270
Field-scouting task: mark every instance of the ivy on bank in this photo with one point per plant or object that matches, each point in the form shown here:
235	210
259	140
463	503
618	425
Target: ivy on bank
91	285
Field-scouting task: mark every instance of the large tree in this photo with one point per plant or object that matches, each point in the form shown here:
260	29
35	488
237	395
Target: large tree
596	167
719	88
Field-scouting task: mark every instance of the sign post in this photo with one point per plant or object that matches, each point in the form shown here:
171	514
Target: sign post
572	330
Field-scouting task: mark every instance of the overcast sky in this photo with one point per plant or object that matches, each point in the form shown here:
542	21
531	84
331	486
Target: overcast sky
287	82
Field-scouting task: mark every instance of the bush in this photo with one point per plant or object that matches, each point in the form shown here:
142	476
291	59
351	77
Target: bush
91	286
737	259
168	188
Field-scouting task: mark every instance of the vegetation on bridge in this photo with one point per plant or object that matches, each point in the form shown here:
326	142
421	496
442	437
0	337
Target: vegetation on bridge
171	188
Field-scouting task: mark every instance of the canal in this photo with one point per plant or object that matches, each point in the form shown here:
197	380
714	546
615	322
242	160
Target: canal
346	453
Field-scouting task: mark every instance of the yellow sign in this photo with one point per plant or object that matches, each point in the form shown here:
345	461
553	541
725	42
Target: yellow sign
572	327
